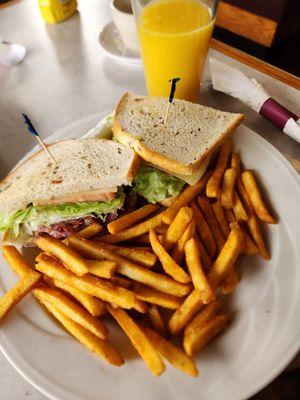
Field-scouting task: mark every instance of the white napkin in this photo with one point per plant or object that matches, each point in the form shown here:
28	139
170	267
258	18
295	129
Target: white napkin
235	83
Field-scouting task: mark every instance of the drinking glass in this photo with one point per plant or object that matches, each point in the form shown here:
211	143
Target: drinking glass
174	38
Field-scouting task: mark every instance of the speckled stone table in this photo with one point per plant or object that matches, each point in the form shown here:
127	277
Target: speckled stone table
65	77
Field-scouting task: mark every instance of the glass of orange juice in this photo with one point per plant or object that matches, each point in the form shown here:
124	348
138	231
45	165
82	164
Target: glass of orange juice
174	38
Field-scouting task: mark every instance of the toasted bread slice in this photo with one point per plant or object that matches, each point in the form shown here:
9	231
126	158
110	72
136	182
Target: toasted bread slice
83	166
191	133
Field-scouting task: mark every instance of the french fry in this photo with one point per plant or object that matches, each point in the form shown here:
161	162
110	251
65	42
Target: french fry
209	215
141	306
98	346
156	320
97	287
142	240
228	188
204	230
185	198
11	299
134	231
205	313
162	229
236	163
127	220
255	197
227	257
192	304
123	282
178	250
131	270
250	247
171	353
72	310
139	340
153	296
230	282
253	223
94	306
16	261
139	255
87	232
102	269
177	227
204	257
198	339
220	216
70	258
238	208
214	183
194	265
168	264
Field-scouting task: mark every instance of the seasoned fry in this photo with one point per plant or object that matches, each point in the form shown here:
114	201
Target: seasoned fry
177	227
228	188
204	257
168	264
204	230
153	296
185	198
230	282
134	231
156	320
70	258
173	354
94	306
227	257
194	265
139	255
220	216
97	287
15	260
253	223
131	270
87	232
72	310
198	339
192	304
206	313
214	183
10	299
102	269
139	340
255	197
238	208
98	346
209	215
132	218
178	250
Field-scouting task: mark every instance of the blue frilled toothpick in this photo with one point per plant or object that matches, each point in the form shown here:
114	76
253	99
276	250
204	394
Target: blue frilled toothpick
32	130
171	97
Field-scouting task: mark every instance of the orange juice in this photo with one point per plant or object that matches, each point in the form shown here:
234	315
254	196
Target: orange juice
174	37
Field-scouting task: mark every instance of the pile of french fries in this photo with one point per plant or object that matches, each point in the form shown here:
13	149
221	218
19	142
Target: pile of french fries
158	273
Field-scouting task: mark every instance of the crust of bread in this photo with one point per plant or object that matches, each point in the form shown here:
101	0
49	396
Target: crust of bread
155	158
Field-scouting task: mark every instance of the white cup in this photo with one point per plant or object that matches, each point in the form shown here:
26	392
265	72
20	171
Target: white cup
125	23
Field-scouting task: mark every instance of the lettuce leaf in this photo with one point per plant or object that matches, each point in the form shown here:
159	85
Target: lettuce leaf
34	216
155	185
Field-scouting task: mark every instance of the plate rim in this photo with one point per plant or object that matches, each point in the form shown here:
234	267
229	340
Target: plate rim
31	373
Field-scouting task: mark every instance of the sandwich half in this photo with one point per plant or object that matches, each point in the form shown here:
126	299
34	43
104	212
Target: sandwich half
180	148
85	185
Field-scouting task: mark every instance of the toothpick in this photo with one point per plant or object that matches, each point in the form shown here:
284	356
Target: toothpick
32	130
171	97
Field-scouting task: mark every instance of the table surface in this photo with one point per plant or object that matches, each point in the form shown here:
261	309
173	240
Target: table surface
66	77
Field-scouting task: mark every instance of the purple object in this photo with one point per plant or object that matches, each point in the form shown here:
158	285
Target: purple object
276	113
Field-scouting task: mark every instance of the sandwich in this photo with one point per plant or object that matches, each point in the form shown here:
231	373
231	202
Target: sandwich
86	185
176	153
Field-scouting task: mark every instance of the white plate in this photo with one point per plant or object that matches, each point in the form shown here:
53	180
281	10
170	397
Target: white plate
113	46
262	339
